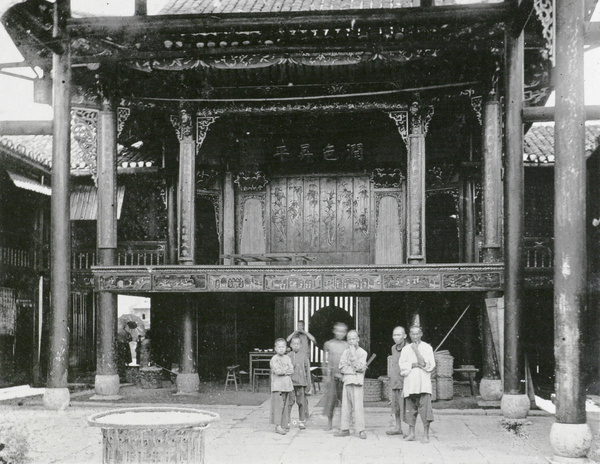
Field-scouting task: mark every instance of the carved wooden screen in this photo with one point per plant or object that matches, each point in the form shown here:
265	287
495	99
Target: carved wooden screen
326	217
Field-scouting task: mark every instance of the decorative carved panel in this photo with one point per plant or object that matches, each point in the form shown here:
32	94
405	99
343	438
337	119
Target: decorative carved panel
321	215
84	125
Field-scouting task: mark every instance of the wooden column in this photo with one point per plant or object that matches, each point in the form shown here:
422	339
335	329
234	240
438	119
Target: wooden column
187	362
570	259
186	198
364	322
416	197
284	316
141	7
171	220
513	403
468	221
107	378
57	394
492	179
228	215
187	379
412	126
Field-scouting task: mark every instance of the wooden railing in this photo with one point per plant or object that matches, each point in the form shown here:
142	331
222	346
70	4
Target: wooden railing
143	253
539	254
16	250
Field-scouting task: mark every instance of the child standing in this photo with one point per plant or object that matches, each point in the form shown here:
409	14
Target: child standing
300	381
353	364
281	386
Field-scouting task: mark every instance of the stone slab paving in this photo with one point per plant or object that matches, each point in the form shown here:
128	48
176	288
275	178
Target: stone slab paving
243	435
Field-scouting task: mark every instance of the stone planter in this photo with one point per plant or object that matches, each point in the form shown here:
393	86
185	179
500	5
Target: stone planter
153	434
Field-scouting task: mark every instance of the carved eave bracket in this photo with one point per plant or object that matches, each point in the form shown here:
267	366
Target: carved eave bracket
419	118
413	122
203	123
122	117
182	124
84	125
546	13
401	120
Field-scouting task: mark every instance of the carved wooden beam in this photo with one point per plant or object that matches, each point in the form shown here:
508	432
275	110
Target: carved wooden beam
300	279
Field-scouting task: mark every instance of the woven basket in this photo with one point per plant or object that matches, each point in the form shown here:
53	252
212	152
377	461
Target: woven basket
445	388
386	388
433	389
372	390
444	365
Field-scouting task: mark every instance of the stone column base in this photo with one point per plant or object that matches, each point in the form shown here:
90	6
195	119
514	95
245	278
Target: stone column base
570	442
490	389
515	406
188	383
106	385
56	399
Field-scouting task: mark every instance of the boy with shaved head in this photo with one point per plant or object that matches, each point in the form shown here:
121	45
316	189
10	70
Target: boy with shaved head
396	380
353	364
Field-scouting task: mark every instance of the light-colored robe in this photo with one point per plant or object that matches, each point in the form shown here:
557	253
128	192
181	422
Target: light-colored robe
416	379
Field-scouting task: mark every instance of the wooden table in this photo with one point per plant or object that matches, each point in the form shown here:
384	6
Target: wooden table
257	357
471	373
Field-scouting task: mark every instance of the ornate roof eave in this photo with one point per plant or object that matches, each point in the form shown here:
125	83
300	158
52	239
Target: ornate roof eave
495	12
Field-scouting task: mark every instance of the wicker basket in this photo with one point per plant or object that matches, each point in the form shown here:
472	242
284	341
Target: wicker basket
433	389
444	365
386	387
372	390
445	388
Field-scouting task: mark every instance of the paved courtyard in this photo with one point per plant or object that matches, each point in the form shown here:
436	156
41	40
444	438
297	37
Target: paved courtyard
243	435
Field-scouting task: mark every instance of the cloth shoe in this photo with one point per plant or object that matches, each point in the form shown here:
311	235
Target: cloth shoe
302	425
280	430
342	433
362	435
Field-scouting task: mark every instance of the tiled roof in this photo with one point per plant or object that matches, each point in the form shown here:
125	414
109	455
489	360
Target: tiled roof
277	6
539	143
39	148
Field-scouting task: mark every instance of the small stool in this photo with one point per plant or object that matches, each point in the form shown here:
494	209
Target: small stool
315	379
256	373
471	373
232	376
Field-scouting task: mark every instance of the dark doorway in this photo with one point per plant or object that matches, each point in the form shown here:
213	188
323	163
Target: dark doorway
441	217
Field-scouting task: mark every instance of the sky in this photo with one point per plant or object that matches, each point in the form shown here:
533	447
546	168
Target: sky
16	102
